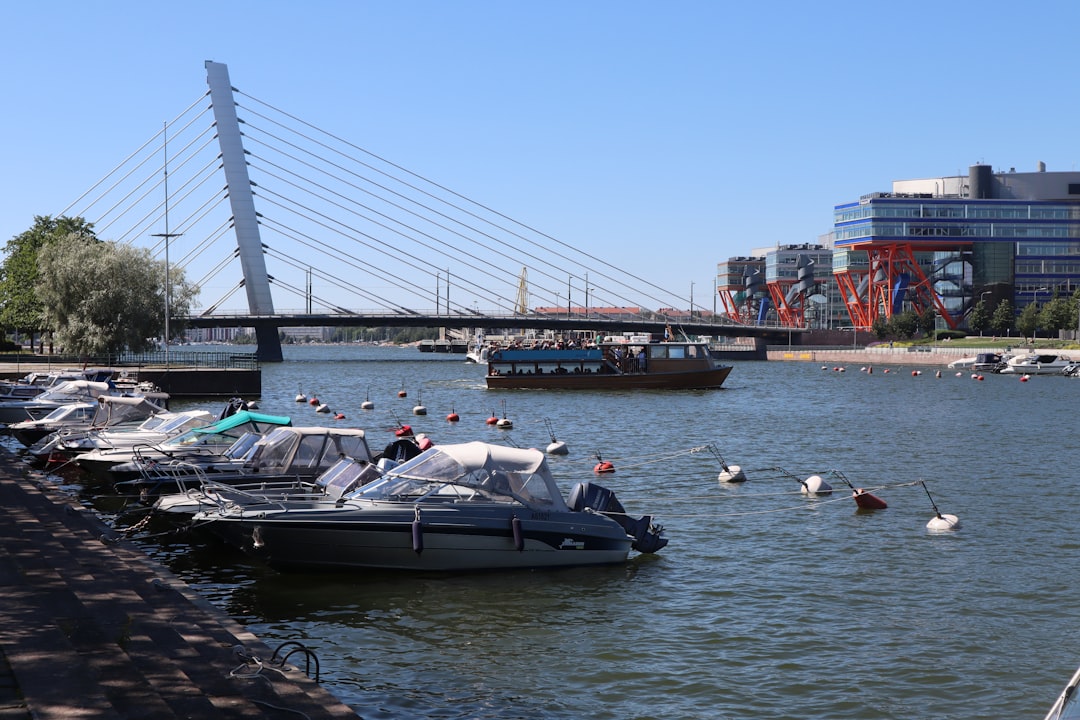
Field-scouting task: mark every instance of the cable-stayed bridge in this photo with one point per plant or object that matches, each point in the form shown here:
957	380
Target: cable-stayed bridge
352	237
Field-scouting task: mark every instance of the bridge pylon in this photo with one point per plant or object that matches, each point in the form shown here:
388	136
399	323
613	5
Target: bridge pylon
242	202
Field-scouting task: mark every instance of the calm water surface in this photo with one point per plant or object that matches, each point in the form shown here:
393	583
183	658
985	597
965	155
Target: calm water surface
765	603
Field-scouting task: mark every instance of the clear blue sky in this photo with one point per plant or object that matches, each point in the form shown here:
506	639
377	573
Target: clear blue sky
666	136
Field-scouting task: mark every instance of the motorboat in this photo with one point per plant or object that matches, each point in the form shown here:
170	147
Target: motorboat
118	433
33	384
73	416
469	506
209	441
13	411
981	362
284	454
1036	364
478	351
1067	705
635	362
341	478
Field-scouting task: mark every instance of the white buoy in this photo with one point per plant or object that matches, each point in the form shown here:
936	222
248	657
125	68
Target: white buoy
367	404
300	396
419	410
732	473
816	485
322	408
940	522
504	423
557	447
943	523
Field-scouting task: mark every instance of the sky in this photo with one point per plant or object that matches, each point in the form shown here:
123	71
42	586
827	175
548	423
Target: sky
661	137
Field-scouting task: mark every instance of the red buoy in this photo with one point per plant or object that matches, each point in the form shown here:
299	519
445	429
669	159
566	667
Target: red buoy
313	401
867	501
493	419
603	467
339	416
404	431
452	417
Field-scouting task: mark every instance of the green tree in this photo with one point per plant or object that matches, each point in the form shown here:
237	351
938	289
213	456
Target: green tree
904	324
103	297
979	319
1058	314
20	307
926	320
1028	320
1004	319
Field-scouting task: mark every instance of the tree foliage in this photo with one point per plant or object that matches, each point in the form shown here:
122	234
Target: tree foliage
1028	320
103	297
21	308
1003	319
979	320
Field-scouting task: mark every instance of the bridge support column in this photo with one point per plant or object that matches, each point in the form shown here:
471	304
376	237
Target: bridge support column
245	219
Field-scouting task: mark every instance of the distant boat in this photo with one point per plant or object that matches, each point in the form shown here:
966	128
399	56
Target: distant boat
634	362
1036	364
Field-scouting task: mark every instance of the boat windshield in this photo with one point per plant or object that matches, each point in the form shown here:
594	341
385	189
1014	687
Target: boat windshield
436	476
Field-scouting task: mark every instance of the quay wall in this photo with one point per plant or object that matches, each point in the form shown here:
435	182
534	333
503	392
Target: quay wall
877	355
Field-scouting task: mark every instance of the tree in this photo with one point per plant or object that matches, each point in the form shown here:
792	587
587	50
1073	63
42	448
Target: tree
1058	314
903	324
926	321
1028	320
103	297
979	319
1004	319
20	307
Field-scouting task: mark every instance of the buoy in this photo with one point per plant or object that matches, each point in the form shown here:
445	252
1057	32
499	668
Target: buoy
959	374
940	522
404	431
867	501
339	416
979	378
314	401
519	536
937	374
1023	378
401	392
816	485
322	408
603	466
300	396
731	473
824	368
453	416
870	370
916	373
417	533
555	447
419	408
367	404
504	423
493	419
887	371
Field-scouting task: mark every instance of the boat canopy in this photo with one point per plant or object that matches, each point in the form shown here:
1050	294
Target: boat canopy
474	471
309	447
241	417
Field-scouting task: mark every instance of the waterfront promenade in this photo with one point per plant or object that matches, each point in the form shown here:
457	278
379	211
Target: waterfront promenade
92	628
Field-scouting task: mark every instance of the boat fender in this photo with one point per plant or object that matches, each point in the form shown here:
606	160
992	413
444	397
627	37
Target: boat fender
519	536
404	431
423	442
417	534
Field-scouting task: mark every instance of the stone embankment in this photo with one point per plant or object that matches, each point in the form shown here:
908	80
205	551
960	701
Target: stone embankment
880	355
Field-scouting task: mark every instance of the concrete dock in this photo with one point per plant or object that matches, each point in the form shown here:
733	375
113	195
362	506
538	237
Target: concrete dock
91	628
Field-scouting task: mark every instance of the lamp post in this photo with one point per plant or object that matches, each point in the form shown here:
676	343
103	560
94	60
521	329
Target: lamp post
166	235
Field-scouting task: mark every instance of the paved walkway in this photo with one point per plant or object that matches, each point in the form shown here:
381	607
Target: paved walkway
91	628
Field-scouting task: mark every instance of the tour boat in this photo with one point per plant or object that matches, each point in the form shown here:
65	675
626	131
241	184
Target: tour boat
637	362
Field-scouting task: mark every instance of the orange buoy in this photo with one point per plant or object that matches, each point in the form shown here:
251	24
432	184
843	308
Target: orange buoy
339	416
1023	378
602	466
452	417
314	401
404	431
493	419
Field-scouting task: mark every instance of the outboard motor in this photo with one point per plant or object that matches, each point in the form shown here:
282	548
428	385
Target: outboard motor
647	537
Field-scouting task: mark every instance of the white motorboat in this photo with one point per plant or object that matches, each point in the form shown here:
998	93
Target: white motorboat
283	454
13	411
1036	364
209	441
344	476
982	362
66	418
157	426
470	506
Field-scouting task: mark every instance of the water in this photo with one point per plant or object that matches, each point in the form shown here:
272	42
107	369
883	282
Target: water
765	603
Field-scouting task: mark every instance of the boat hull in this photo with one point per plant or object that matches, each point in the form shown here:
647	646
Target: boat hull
446	543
